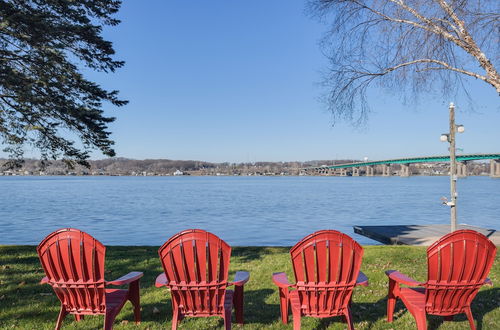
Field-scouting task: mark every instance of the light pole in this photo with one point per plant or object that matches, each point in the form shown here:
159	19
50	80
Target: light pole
450	137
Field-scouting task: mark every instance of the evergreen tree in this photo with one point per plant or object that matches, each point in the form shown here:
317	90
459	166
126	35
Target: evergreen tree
45	100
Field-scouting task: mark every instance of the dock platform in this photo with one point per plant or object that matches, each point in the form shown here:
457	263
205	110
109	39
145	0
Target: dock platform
417	234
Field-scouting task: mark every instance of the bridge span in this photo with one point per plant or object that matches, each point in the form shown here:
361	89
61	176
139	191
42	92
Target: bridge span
383	167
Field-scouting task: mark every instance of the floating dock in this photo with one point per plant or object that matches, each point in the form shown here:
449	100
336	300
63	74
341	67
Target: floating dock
417	234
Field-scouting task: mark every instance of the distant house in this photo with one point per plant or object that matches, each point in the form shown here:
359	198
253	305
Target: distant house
178	173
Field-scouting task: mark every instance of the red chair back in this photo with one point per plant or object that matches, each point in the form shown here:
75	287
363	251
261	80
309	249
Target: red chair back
73	262
196	265
458	265
326	265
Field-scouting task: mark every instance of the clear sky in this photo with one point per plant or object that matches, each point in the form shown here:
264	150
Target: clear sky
238	81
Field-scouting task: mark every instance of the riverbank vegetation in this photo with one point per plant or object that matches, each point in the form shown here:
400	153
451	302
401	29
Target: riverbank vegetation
25	304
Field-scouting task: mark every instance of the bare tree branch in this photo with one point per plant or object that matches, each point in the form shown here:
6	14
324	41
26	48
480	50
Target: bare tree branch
428	60
407	45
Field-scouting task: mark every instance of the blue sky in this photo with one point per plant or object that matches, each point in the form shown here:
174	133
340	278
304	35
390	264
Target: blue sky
238	81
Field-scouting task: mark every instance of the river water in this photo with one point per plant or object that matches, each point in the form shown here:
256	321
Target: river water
241	210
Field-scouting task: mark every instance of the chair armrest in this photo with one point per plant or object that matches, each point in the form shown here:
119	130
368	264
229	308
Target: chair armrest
281	280
44	280
240	278
402	278
362	279
487	281
161	280
126	279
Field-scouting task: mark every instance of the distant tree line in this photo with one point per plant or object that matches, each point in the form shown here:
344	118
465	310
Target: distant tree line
125	166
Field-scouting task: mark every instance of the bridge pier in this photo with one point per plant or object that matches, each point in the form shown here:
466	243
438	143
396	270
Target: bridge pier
370	171
495	168
405	170
343	172
461	169
355	171
386	170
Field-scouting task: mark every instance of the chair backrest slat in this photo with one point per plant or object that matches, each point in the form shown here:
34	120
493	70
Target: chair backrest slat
196	265
326	265
73	261
458	264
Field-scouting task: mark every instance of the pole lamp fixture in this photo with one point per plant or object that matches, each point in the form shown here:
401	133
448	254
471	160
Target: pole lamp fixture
450	138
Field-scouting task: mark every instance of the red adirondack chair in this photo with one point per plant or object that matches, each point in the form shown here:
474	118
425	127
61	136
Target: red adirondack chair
457	266
326	266
74	264
196	265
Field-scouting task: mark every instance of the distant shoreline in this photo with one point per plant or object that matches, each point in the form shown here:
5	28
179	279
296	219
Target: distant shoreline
167	167
221	175
211	175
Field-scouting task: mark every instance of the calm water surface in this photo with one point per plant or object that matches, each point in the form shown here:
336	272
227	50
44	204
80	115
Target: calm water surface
241	210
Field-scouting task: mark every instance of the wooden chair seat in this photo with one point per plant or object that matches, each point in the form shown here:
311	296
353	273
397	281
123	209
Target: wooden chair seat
413	298
116	298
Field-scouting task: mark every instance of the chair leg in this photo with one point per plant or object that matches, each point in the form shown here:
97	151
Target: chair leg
421	320
60	318
109	319
296	314
391	300
238	304
227	319
134	297
284	304
348	318
78	318
468	312
175	319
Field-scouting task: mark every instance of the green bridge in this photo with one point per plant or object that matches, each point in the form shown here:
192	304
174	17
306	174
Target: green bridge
404	164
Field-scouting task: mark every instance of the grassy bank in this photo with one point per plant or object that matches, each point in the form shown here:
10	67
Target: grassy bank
24	304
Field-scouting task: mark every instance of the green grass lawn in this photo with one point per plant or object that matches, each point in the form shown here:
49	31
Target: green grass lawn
24	304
